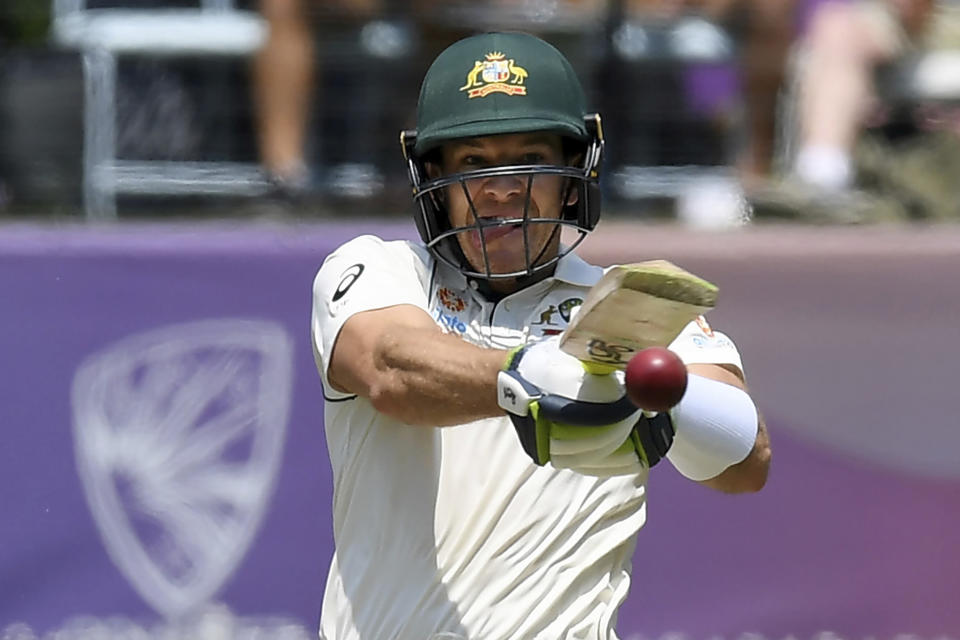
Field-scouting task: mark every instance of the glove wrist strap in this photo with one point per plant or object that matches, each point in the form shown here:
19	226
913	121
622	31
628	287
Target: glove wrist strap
514	394
652	437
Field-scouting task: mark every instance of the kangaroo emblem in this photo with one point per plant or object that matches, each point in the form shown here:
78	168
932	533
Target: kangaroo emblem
546	316
472	76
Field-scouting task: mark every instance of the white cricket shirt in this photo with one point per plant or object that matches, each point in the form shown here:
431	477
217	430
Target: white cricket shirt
453	532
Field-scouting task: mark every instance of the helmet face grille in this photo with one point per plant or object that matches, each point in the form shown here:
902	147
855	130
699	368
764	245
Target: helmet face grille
534	243
489	85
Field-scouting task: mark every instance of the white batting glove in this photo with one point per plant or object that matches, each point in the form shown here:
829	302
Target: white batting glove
571	418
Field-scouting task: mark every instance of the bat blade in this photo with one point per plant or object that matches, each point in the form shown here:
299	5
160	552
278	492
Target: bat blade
632	307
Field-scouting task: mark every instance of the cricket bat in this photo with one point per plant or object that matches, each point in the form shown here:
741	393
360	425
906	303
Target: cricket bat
632	307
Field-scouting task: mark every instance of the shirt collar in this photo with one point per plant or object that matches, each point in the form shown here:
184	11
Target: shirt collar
573	269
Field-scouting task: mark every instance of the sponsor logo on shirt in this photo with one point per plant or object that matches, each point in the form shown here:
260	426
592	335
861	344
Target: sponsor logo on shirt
713	342
448	321
347	278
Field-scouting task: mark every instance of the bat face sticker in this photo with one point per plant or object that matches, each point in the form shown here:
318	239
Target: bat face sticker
632	307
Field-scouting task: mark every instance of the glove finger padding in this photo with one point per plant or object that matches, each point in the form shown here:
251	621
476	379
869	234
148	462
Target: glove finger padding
623	461
647	443
589	442
543	438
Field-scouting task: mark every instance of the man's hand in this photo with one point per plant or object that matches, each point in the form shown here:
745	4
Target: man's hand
577	420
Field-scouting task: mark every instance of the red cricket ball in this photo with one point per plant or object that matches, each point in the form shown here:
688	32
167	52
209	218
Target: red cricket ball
656	379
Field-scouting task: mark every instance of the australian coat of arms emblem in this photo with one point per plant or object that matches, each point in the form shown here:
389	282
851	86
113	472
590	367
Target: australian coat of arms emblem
495	74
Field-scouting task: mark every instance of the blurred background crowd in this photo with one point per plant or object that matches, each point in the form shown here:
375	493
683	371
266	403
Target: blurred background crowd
132	350
715	111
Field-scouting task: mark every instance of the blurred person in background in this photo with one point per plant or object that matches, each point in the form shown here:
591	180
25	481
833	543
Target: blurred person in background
284	82
846	45
692	87
486	485
341	62
763	32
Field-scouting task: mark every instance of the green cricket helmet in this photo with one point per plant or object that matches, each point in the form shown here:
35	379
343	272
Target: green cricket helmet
492	84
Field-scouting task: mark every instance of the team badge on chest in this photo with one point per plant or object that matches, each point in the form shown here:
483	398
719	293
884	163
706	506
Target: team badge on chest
553	319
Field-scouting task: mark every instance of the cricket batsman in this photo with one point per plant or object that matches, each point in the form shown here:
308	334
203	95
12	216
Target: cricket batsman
486	486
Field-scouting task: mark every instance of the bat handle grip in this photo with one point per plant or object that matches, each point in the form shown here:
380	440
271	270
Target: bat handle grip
598	368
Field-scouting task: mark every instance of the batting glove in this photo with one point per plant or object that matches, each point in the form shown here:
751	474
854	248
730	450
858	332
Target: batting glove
577	420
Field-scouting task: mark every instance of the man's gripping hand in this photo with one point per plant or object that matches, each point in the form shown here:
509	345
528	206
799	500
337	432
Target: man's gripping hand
577	420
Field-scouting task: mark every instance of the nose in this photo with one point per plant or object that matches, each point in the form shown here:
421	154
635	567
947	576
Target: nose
503	188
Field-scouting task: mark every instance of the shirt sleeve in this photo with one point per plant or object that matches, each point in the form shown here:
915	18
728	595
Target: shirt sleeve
699	344
364	274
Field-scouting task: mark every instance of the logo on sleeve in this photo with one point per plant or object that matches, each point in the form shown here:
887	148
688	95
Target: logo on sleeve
702	323
346	281
707	338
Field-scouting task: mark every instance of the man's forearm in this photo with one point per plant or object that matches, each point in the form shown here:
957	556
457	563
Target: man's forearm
750	475
434	379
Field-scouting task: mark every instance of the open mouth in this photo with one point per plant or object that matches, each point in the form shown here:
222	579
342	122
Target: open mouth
495	228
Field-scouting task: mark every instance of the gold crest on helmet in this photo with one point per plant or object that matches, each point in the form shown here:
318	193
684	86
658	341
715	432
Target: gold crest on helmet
495	74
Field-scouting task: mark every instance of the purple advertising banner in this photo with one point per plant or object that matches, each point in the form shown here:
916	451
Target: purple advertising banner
163	471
